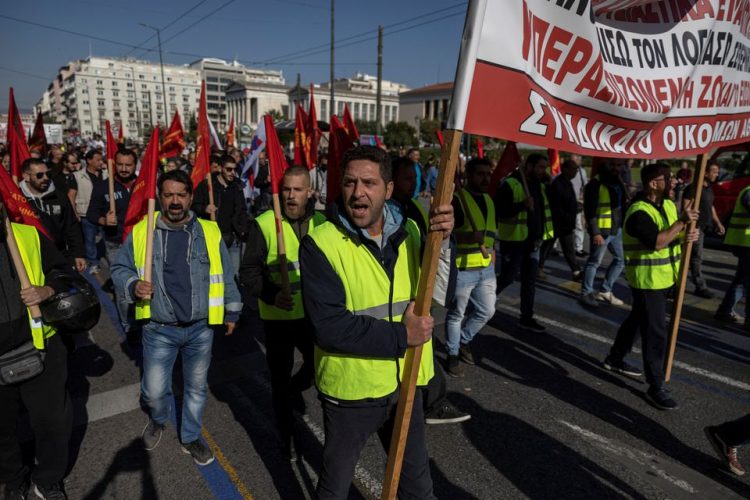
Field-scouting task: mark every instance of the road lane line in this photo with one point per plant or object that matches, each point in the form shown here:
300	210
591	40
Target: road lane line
226	465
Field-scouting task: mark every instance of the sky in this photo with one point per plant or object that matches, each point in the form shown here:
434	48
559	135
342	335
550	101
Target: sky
420	47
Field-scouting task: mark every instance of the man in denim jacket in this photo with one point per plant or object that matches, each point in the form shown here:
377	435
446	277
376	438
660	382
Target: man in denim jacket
190	293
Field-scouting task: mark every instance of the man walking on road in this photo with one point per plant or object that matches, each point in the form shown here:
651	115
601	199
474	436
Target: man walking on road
579	181
365	265
738	238
85	180
652	241
192	292
726	438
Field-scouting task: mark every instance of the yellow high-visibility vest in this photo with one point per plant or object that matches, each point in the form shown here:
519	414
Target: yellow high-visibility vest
738	230
468	254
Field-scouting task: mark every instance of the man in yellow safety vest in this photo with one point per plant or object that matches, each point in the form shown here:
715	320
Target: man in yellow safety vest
738	237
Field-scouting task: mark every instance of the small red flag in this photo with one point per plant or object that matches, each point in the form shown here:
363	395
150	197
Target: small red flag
480	148
174	140
349	125
439	135
145	185
111	144
16	139
276	160
554	161
301	155
203	143
339	141
120	136
16	206
505	165
313	132
38	141
230	139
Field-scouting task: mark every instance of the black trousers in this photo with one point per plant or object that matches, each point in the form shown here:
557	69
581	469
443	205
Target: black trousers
282	337
523	255
696	261
45	397
736	432
347	430
568	246
435	392
649	316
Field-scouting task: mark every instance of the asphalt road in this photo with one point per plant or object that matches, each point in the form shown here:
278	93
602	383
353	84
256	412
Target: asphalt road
547	419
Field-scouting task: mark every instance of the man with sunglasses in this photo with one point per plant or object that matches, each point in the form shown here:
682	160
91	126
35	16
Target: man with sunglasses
652	240
229	207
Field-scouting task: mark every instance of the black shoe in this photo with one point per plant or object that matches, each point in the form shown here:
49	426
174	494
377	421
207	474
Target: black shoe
531	325
453	367
730	317
577	276
704	293
588	300
581	253
152	434
202	454
660	397
19	493
54	492
464	352
622	367
445	414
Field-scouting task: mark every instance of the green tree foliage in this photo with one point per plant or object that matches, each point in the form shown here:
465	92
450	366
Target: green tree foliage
399	134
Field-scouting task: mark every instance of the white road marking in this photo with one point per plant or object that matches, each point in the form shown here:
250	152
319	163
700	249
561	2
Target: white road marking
604	340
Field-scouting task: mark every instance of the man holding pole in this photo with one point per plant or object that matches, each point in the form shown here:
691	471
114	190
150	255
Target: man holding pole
652	241
365	264
738	237
193	291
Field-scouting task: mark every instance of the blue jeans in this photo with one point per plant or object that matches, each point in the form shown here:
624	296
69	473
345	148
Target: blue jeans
235	255
161	344
523	256
125	310
739	286
613	242
477	286
90	231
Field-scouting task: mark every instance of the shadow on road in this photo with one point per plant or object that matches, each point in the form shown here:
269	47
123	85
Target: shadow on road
131	459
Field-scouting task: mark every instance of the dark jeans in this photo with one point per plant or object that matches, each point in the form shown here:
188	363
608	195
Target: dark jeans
515	255
696	260
435	392
281	339
568	246
736	432
347	430
648	315
45	397
739	286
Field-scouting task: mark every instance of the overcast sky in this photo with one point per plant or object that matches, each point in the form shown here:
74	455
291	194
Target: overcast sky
266	34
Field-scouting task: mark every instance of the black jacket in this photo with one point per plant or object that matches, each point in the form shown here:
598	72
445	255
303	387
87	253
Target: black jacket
58	218
99	206
591	202
563	204
231	216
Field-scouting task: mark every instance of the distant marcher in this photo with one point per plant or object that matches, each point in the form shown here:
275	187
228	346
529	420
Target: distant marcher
726	438
738	238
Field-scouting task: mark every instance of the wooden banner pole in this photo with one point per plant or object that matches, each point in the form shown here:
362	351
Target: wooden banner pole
149	240
111	181
23	277
448	161
210	186
687	249
283	268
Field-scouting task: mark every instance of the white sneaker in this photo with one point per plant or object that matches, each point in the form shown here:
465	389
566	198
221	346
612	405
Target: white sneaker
609	297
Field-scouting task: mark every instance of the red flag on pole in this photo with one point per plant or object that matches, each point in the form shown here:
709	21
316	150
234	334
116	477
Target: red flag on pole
505	165
554	161
16	206
480	148
349	125
439	135
111	144
16	139
174	140
145	185
276	160
120	136
313	132
38	141
300	138
231	141
203	143
338	142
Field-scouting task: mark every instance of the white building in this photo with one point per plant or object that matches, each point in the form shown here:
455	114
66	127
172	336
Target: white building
127	92
431	102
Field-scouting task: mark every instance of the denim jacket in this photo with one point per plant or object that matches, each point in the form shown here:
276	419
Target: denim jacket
124	276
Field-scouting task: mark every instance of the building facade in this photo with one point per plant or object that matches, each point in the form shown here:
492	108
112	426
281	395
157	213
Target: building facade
431	102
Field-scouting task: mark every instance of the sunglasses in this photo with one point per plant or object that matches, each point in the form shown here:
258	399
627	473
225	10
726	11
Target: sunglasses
41	175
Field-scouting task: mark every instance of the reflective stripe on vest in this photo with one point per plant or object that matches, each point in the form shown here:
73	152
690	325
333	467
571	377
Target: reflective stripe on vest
516	228
468	254
604	208
212	236
738	230
648	269
27	238
267	223
369	292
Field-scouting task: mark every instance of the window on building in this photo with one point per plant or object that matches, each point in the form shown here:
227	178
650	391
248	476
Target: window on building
85	101
130	85
115	93
131	95
324	108
158	106
131	104
116	103
131	115
141	77
117	114
144	86
114	83
426	114
212	88
99	92
84	91
158	97
99	82
356	111
100	103
132	125
212	79
169	78
172	98
87	122
86	112
171	89
185	98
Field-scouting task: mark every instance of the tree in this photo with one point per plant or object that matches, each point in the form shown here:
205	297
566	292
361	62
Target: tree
366	127
427	130
276	115
192	133
399	134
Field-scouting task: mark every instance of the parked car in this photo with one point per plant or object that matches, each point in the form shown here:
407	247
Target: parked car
734	175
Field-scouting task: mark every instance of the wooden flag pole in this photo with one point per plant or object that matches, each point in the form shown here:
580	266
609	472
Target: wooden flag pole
472	223
283	268
211	193
148	261
448	160
111	181
674	325
23	277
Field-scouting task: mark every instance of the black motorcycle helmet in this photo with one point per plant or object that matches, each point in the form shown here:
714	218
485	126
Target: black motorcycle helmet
74	310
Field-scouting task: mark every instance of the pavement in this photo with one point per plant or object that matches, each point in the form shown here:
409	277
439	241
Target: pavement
547	419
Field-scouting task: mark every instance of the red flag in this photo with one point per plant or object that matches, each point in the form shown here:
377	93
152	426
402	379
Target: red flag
301	155
439	135
480	148
145	185
16	138
349	125
338	142
379	143
203	143
120	137
276	160
554	161
231	142
313	132
38	141
111	144
174	140
505	165
16	206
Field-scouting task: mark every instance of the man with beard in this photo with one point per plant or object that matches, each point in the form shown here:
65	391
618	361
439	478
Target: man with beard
360	272
707	221
652	240
86	179
283	314
65	181
192	292
229	206
54	211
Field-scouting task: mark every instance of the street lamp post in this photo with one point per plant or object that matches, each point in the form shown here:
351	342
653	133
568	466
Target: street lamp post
161	65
